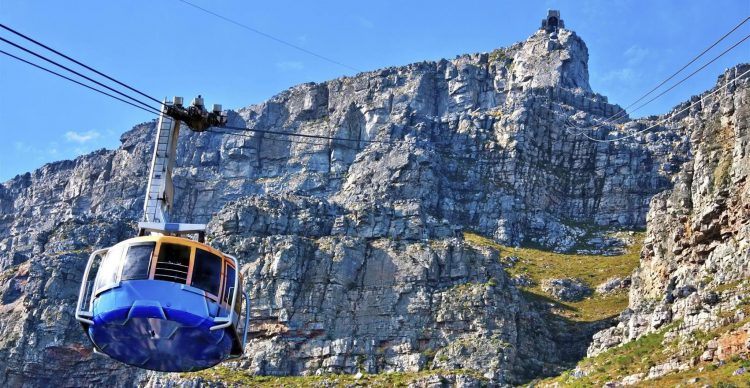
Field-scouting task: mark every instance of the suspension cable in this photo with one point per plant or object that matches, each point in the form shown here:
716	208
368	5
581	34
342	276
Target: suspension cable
73	71
308	135
581	131
693	73
269	36
619	114
79	83
660	122
79	63
214	130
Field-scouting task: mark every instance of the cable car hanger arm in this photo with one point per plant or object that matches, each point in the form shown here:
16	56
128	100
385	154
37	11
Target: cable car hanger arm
160	189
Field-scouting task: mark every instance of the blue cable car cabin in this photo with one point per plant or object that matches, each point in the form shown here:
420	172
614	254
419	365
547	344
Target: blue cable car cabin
163	303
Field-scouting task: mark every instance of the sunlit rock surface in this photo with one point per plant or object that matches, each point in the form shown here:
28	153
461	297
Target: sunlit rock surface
352	250
697	251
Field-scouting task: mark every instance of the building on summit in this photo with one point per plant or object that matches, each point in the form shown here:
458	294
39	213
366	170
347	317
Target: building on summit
553	22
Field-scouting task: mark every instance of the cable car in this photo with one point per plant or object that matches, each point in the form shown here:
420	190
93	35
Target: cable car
163	303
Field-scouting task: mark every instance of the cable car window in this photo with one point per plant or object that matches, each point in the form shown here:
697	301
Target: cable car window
91	281
137	261
107	275
207	272
173	263
238	302
228	285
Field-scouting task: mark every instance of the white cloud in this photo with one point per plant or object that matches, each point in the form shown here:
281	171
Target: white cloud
53	149
290	65
626	74
22	147
635	55
81	137
39	150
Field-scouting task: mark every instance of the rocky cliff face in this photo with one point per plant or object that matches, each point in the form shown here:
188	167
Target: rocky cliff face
696	258
353	250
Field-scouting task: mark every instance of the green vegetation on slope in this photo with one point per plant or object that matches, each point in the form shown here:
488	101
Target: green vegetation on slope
633	357
497	55
711	375
591	269
231	377
641	355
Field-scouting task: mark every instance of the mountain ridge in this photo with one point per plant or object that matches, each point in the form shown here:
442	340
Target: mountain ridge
355	254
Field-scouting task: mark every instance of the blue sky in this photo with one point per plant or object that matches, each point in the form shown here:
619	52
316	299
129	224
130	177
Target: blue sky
167	48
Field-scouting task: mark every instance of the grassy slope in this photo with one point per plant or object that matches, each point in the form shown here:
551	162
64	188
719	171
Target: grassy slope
652	349
592	269
238	377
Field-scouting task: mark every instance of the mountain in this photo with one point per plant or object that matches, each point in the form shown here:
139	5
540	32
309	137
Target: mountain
395	252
